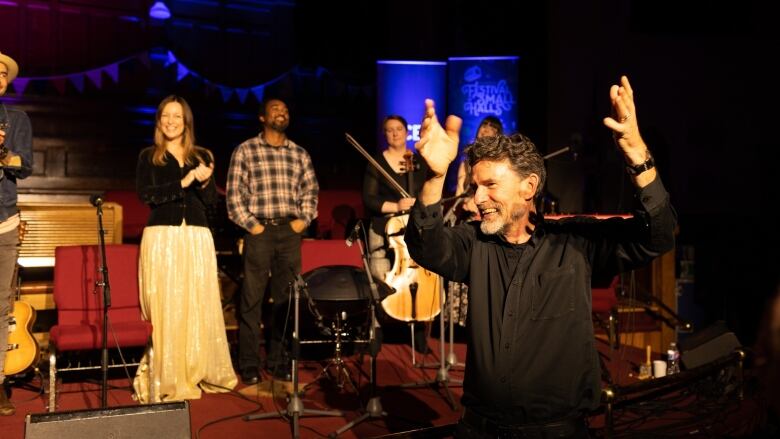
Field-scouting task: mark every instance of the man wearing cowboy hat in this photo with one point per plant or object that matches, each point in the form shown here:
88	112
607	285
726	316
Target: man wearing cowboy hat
16	160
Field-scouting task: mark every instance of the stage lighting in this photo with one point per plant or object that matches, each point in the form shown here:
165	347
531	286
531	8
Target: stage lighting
160	11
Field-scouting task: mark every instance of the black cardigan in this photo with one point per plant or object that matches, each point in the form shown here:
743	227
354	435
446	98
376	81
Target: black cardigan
160	188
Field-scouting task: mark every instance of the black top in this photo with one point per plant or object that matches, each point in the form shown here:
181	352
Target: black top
160	188
531	353
376	189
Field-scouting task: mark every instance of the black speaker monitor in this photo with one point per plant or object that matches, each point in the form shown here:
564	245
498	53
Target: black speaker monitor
710	344
152	421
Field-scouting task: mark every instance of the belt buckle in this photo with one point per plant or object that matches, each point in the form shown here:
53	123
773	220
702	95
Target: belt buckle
506	432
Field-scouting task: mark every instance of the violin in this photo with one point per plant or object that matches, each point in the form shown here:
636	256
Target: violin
417	291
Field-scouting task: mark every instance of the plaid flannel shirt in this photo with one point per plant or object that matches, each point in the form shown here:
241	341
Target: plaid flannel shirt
267	181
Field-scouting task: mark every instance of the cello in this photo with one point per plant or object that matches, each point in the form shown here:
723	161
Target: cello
416	295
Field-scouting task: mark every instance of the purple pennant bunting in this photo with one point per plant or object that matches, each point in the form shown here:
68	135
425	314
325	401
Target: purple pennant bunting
259	91
96	76
181	71
59	84
171	59
242	92
113	71
19	85
78	81
226	92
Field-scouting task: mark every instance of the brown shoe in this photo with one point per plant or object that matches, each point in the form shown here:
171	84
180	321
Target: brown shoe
6	406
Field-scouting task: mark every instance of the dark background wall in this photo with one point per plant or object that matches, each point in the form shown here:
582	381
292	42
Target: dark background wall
702	72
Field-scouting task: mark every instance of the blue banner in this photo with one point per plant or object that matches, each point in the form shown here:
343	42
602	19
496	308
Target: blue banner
402	87
478	87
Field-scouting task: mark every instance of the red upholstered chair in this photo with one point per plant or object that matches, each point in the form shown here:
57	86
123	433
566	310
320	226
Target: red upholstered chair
337	210
79	305
134	213
605	309
321	252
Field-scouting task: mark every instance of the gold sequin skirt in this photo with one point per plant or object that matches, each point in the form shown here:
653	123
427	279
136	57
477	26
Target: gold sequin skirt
179	294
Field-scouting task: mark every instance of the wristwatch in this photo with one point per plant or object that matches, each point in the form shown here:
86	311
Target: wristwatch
638	169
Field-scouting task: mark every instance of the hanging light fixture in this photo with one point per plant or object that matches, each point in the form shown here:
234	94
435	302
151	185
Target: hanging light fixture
159	11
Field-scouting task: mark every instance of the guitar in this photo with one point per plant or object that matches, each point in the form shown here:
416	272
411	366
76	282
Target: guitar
23	350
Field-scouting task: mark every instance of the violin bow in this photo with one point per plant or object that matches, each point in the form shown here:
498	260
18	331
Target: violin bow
377	166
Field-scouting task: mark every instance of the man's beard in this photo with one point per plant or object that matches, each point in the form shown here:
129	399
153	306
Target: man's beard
500	224
279	126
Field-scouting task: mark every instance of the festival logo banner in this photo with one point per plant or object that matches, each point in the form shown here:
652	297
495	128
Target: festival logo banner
479	87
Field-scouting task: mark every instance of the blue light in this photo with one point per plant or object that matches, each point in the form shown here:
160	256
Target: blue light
482	58
413	63
159	11
402	87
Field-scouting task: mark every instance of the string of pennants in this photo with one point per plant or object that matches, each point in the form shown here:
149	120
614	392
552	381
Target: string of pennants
95	76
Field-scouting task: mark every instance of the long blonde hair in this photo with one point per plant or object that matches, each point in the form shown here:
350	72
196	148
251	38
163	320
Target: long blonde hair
188	136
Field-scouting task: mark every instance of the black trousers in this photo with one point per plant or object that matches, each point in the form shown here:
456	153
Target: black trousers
473	426
276	251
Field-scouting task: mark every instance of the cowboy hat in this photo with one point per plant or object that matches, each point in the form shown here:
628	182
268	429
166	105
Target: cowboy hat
10	64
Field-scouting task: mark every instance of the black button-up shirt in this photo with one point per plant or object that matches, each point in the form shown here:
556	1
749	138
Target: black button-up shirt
531	348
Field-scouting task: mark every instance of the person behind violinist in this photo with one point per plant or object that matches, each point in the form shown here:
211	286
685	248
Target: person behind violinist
490	126
383	201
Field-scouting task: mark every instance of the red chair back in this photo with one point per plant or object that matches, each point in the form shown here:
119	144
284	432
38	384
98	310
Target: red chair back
336	211
321	252
79	300
134	213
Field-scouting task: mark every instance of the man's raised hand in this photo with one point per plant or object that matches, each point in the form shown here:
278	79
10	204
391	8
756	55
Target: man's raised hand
438	145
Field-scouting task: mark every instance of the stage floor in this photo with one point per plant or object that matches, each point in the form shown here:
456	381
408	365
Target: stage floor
220	415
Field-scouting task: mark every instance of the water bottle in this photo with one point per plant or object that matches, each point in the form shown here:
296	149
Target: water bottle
672	359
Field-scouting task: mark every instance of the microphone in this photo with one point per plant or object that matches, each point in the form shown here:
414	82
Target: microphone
353	234
96	200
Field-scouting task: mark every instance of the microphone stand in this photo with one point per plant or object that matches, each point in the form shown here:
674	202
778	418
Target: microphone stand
452	357
442	375
556	152
295	408
106	287
374	408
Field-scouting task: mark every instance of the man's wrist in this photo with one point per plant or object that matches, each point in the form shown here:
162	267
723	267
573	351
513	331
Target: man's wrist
648	164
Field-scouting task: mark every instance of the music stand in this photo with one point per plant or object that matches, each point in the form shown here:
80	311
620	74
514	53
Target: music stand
295	409
373	408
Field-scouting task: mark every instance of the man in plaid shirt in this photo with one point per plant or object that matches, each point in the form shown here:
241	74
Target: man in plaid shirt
271	193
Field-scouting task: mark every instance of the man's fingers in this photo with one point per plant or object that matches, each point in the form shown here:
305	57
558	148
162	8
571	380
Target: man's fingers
627	86
452	126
